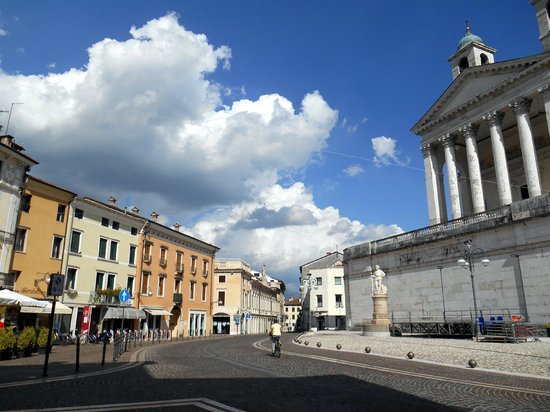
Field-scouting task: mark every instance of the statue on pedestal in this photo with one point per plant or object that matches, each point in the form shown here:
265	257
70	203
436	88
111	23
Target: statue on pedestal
377	275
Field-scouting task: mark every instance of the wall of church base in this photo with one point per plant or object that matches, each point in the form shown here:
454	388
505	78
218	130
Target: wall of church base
517	278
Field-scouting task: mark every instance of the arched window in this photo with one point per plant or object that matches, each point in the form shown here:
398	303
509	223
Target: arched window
463	64
484	59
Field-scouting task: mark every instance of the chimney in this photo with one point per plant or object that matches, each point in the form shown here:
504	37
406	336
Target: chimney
135	210
176	226
112	200
154	216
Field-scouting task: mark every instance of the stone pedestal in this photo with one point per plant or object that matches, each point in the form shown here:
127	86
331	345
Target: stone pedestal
379	325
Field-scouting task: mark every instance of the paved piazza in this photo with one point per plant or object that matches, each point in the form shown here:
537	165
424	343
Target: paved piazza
239	374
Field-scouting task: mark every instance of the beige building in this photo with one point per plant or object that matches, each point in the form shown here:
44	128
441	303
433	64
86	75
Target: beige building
13	167
244	302
292	314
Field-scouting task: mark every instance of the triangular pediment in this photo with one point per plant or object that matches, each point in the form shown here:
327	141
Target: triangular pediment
475	84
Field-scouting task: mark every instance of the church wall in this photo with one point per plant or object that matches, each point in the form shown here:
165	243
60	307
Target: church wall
413	277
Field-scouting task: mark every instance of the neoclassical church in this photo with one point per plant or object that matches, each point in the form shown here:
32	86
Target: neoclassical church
486	148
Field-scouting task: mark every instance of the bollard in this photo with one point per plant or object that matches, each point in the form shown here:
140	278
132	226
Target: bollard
104	350
77	353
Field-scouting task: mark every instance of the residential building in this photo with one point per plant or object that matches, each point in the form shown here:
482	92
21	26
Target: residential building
13	167
175	280
244	301
486	147
292	315
40	236
312	317
101	260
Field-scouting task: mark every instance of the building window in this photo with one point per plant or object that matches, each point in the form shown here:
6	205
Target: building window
57	247
319	301
193	264
179	262
204	291
192	290
99	279
104	222
130	282
338	280
20	239
133	231
160	290
116	225
221	279
111	281
145	276
61	213
70	282
113	251
147	252
26	203
319	281
177	286
132	256
75	241
205	268
163	252
339	301
221	298
293	309
102	248
78	213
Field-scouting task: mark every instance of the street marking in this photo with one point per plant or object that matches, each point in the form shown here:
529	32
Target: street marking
202	403
257	345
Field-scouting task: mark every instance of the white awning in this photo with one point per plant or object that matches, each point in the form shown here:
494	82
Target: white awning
158	312
10	298
124	313
60	309
31	309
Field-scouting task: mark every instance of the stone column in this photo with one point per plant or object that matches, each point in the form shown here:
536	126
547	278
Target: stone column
432	184
521	108
494	120
469	132
545	91
448	142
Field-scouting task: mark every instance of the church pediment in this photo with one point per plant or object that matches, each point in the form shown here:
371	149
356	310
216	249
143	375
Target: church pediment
473	86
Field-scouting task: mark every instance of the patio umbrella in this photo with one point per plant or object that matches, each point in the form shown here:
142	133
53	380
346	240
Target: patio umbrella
27	304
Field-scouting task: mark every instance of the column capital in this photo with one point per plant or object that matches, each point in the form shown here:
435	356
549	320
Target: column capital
447	140
521	105
493	118
427	149
469	130
545	91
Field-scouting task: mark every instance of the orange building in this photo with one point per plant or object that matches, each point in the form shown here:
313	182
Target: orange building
175	280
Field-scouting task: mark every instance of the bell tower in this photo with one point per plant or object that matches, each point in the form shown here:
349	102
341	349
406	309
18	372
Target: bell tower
471	51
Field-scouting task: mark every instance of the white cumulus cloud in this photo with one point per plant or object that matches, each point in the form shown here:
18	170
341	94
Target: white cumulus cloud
385	151
354	170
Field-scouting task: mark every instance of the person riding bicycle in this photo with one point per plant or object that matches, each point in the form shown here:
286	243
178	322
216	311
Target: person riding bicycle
275	333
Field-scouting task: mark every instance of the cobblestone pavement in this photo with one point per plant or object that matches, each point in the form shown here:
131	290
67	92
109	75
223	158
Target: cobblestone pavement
239	373
530	358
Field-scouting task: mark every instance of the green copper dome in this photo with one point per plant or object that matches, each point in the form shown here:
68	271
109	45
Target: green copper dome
468	38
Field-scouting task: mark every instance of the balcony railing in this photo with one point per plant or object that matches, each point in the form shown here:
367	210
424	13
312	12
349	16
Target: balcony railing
178	298
163	262
179	268
147	259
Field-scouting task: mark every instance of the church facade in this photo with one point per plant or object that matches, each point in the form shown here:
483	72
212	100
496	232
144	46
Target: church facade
486	148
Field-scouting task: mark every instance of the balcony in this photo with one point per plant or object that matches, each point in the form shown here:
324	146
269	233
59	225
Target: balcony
106	296
147	259
179	268
163	262
7	280
178	298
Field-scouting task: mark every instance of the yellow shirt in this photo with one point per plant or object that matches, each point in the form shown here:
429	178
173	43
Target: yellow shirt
276	329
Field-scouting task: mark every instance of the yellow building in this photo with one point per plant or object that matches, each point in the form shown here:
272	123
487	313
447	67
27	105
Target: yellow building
40	236
175	281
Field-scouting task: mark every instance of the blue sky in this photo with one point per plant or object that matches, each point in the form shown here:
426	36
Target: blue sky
276	130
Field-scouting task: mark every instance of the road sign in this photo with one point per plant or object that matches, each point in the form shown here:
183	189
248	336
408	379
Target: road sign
248	315
55	287
124	295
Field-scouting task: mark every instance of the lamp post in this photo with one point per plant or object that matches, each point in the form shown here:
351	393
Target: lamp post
307	284
467	262
442	293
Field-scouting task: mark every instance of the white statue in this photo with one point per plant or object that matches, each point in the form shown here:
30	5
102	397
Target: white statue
378	274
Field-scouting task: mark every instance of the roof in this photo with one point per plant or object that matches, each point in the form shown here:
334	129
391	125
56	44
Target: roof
293	302
468	38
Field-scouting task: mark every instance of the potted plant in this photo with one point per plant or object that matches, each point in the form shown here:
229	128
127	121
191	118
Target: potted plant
26	340
7	343
42	340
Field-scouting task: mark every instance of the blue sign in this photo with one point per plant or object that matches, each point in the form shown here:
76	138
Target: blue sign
248	315
124	295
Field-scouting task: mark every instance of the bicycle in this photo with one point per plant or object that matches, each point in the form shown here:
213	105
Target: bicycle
277	352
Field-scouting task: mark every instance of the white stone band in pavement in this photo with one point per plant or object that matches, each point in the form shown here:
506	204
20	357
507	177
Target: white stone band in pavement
530	358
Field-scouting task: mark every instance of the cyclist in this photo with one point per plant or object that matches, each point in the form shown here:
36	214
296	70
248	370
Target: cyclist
275	333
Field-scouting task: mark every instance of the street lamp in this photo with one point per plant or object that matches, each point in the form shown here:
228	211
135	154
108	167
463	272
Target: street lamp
307	284
467	262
